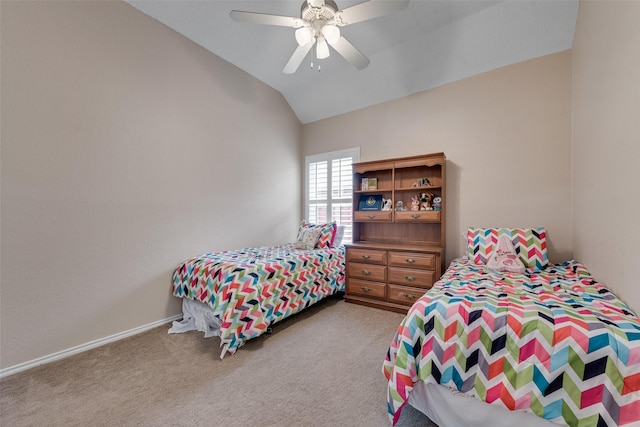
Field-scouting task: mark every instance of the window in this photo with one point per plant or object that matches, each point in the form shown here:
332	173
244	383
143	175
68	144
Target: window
329	188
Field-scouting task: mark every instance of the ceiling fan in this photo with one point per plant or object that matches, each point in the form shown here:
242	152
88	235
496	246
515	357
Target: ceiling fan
319	24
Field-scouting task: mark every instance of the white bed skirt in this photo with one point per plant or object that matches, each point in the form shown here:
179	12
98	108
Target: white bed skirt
197	316
449	408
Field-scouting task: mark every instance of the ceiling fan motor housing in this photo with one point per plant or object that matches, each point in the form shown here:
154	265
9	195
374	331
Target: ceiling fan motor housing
318	17
309	12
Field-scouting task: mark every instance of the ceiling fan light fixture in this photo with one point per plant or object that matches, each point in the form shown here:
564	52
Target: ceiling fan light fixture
322	49
331	33
304	35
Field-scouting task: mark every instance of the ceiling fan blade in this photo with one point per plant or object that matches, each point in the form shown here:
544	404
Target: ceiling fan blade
350	53
265	19
369	10
297	58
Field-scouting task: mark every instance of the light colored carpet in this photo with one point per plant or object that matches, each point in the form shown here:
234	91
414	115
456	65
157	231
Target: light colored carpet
321	367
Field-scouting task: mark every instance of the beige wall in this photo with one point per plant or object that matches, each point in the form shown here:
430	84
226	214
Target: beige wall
125	150
606	144
507	137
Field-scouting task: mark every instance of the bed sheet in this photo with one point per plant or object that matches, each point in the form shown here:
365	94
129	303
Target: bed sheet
555	343
252	288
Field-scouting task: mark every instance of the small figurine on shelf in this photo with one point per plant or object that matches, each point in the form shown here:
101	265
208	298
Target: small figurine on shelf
424	182
386	204
400	207
437	203
425	201
415	203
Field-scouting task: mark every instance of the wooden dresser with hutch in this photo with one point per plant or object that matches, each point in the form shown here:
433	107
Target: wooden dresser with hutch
396	255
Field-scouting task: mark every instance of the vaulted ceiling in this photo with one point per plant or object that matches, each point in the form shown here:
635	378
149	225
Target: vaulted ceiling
428	44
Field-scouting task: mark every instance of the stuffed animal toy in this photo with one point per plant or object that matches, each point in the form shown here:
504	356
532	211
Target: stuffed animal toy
400	207
415	203
386	204
424	182
425	201
437	203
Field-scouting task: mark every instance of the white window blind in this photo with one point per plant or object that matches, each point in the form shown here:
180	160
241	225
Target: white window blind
329	188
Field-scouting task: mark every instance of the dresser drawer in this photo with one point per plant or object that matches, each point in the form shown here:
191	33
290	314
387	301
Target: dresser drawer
372	216
365	288
404	295
418	216
412	259
412	277
377	273
366	255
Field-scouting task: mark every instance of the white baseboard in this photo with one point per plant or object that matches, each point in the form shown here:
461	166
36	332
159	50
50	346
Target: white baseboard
83	347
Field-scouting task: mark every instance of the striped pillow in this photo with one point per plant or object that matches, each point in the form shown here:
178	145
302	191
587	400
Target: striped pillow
530	245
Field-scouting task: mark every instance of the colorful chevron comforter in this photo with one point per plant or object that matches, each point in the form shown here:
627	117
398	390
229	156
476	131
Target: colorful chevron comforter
252	288
555	343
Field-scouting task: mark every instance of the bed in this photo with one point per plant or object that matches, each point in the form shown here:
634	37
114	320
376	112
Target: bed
237	295
543	345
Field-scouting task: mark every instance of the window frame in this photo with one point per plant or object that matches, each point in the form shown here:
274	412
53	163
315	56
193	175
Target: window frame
354	153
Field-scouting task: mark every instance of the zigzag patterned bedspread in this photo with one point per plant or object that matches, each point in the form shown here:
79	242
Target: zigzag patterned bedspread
555	343
252	288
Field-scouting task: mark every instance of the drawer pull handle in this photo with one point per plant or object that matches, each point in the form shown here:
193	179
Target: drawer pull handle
410	278
411	260
408	296
365	257
371	216
415	216
366	289
366	272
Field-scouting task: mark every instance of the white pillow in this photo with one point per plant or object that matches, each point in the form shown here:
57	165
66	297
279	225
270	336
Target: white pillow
337	240
504	257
